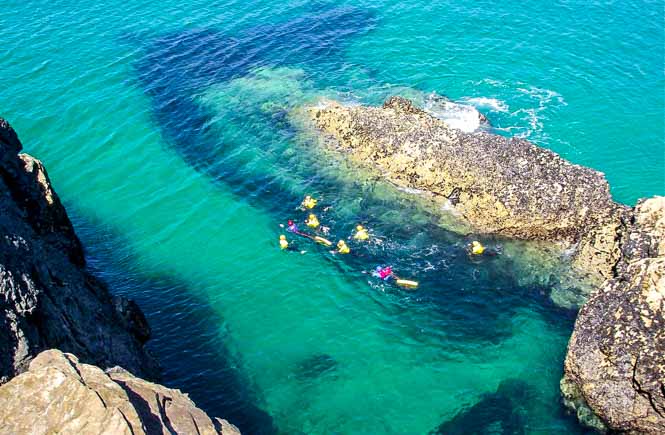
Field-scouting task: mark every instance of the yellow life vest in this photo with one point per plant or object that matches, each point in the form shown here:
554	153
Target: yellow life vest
343	248
312	222
361	235
283	244
477	248
309	203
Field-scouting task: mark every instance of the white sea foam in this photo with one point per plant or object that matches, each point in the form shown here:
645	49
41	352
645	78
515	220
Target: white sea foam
464	117
524	108
490	103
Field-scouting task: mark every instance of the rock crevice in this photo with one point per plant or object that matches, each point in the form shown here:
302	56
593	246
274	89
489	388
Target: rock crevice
615	365
49	300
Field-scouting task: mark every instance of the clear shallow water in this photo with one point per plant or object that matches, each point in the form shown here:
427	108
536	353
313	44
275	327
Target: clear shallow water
165	129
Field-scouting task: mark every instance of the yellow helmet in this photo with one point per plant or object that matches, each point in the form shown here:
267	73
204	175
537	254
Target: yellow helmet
307	198
359	228
282	237
312	216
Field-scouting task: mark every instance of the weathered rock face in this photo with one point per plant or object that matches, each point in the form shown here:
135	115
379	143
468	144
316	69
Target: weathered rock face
500	185
58	394
47	299
615	366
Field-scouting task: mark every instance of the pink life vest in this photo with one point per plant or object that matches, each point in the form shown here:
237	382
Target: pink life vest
385	272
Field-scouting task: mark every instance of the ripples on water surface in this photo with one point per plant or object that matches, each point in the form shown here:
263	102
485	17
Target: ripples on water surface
168	130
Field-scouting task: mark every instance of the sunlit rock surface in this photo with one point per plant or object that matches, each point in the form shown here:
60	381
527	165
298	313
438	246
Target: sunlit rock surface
615	367
58	394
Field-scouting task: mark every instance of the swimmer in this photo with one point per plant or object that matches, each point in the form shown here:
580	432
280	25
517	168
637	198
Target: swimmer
292	227
361	233
284	245
312	221
308	203
342	247
476	248
385	273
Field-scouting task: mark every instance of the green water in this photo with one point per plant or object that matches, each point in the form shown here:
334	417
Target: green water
166	130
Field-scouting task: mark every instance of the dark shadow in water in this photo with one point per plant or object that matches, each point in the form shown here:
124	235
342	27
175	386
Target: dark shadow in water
315	366
504	412
178	65
478	299
500	412
186	337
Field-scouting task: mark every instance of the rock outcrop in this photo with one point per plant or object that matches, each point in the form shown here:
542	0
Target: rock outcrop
615	366
58	394
47	298
499	185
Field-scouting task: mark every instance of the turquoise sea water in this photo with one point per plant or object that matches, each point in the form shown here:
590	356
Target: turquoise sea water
167	129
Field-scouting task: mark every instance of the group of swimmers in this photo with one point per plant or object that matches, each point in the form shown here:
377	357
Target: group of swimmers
312	222
361	234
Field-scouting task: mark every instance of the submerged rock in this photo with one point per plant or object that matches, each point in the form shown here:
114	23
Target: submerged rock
58	394
47	298
615	365
499	185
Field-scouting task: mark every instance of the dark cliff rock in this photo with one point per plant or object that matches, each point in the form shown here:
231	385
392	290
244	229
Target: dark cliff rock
47	298
58	394
615	366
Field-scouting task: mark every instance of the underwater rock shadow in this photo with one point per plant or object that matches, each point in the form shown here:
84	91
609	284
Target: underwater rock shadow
502	410
315	366
183	63
505	411
185	332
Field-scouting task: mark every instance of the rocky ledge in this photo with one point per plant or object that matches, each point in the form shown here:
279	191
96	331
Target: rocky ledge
58	394
615	366
498	185
49	300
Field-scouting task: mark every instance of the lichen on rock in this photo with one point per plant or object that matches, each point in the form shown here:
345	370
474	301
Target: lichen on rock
615	366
